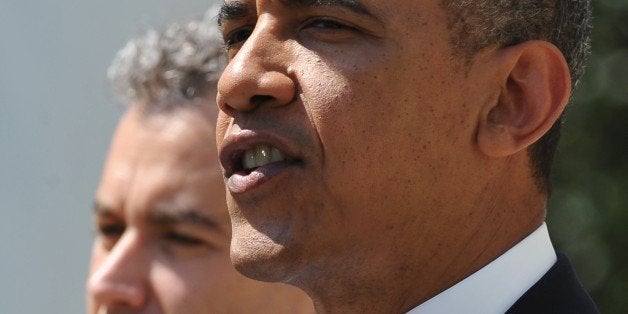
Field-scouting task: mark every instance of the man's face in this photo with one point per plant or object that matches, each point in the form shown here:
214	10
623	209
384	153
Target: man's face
366	117
163	232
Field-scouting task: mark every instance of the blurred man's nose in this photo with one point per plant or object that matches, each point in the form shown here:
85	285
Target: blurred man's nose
258	74
120	281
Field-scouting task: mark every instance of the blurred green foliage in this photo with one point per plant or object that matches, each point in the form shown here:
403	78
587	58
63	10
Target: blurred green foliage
588	210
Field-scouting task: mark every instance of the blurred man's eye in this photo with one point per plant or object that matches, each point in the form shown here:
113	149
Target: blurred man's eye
183	239
109	234
111	230
185	244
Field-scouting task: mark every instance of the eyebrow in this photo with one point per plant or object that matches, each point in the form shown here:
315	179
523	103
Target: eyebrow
183	217
167	217
100	209
236	10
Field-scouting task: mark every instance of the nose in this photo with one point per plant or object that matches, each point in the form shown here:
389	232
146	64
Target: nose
119	282
258	73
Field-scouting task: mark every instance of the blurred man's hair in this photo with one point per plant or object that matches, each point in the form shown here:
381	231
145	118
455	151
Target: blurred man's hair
163	69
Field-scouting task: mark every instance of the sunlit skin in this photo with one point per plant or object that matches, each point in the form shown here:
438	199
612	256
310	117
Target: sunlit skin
162	228
407	167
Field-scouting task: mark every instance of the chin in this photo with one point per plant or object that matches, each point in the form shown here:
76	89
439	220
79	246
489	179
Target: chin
257	256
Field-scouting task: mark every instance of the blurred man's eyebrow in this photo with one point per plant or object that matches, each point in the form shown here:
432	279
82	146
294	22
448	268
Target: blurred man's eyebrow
163	217
183	217
235	10
100	209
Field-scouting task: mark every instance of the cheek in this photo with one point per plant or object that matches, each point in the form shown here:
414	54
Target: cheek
334	98
222	124
357	114
196	286
384	130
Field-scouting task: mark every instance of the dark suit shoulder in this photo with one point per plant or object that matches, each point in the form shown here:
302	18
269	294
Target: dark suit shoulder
558	291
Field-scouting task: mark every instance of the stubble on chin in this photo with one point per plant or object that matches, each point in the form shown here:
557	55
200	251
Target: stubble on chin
256	255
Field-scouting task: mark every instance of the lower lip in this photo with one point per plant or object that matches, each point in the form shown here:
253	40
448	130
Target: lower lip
242	182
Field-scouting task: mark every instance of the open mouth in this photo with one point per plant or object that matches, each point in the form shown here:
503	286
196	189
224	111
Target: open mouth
245	161
259	156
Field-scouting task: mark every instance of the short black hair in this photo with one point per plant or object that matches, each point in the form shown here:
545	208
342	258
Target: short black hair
565	23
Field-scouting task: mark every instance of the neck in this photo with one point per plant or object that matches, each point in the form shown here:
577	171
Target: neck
425	259
359	291
402	284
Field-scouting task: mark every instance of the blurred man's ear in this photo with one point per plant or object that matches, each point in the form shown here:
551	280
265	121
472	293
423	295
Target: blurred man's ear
535	86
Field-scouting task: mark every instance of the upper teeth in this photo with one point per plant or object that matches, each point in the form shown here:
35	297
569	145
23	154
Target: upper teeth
260	155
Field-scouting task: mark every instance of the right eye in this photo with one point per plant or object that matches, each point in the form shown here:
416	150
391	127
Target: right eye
328	24
237	37
110	233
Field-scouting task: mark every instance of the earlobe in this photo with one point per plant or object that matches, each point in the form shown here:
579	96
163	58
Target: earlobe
535	85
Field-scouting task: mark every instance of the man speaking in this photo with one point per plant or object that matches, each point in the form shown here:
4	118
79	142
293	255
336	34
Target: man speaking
393	156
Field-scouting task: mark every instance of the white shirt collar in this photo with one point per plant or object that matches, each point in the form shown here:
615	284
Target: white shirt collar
497	286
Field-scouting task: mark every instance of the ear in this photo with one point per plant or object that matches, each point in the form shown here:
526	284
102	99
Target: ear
535	85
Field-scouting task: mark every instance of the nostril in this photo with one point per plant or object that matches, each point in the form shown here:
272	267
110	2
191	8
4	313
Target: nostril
258	100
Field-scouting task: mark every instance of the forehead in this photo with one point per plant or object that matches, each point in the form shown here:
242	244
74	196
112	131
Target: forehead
181	134
374	8
239	7
164	158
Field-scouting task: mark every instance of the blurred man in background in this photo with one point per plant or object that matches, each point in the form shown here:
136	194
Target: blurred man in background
163	231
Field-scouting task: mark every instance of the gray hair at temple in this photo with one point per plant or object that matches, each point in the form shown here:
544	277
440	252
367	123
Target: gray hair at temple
164	69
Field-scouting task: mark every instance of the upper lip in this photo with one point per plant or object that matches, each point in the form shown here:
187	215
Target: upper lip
235	144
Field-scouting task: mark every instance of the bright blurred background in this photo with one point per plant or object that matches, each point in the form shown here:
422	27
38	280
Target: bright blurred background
57	115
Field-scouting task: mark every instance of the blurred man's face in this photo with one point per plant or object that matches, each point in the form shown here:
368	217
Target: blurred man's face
341	125
163	232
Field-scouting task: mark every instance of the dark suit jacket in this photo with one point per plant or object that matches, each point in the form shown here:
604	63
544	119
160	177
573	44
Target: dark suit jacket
558	292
